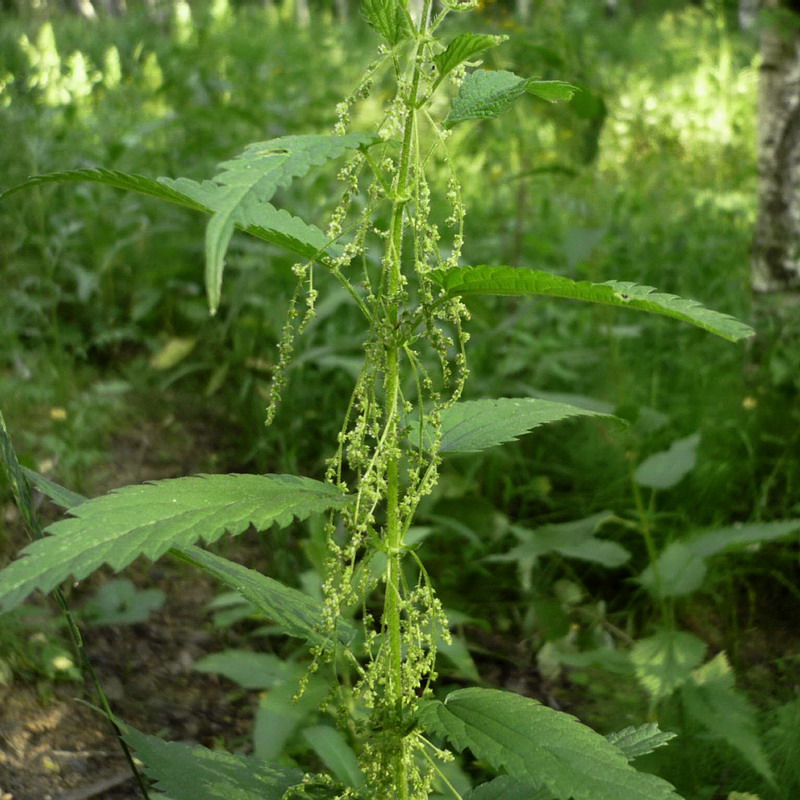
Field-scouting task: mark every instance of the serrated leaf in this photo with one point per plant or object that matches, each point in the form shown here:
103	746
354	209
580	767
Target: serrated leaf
641	740
149	519
464	47
507	788
713	700
552	91
665	661
677	571
474	425
464	281
488	93
534	743
261	220
337	755
293	611
386	17
58	494
238	196
666	469
196	773
484	94
249	180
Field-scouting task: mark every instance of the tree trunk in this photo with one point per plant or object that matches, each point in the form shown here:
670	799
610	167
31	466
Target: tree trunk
776	247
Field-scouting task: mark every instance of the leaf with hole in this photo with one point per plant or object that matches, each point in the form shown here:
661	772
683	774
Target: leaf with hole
149	519
534	743
521	282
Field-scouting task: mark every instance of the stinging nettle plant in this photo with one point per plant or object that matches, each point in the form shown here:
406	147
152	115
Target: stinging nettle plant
374	635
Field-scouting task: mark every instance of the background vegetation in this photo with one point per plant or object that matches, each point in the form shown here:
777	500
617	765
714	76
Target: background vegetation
647	175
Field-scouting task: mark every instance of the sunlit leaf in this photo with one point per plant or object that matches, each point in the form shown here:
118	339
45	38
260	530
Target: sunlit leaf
665	661
293	611
739	536
552	91
387	18
635	742
465	281
534	743
151	518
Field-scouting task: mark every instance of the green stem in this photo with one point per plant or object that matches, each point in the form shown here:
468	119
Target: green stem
392	284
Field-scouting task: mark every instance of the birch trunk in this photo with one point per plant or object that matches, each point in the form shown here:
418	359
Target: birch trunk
776	247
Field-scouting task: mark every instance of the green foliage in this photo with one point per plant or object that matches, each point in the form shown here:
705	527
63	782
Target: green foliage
635	742
406	315
665	470
119	602
485	94
664	661
464	47
465	281
474	425
150	519
293	611
183	772
535	743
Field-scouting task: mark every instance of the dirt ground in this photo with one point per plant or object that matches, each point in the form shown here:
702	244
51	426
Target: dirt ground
55	747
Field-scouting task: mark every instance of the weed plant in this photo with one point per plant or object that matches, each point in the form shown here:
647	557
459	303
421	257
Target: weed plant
391	257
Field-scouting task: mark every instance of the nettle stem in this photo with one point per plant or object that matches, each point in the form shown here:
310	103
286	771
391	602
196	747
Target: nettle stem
394	528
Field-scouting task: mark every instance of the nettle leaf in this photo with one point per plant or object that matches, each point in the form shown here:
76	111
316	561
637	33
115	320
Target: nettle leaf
337	755
665	661
474	425
677	571
712	699
668	468
197	773
552	91
149	519
464	281
259	219
293	611
635	742
574	539
681	567
507	788
58	494
534	743
464	47
488	93
386	17
253	177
